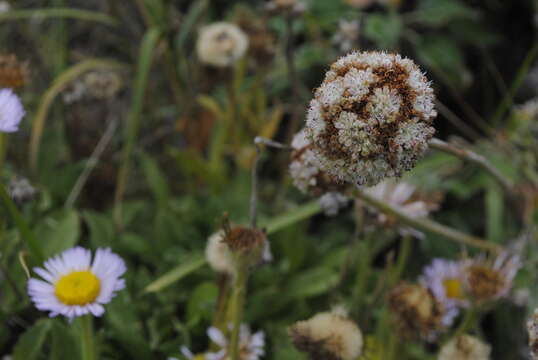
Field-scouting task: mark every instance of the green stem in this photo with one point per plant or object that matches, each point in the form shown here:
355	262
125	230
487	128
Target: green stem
426	224
89	346
405	250
467	322
3	149
238	304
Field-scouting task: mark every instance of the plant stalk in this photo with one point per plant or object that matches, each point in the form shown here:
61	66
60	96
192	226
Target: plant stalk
87	337
238	304
427	225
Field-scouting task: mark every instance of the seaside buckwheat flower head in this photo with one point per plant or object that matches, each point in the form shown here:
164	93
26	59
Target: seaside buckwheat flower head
532	327
73	285
416	311
251	346
406	198
305	171
445	280
491	279
465	347
220	258
371	117
11	111
328	336
221	44
13	74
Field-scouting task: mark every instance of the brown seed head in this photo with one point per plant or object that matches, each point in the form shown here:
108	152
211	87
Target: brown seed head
484	283
245	240
13	74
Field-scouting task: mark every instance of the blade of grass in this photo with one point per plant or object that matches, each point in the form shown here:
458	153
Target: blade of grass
147	50
58	85
25	232
300	213
68	13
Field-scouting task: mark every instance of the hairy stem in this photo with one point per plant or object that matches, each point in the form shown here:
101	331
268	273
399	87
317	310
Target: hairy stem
474	158
427	225
238	304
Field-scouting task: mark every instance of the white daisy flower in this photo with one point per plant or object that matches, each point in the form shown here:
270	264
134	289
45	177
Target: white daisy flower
73	285
445	279
251	346
11	111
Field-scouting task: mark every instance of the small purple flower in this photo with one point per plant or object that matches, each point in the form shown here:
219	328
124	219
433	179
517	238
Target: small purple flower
11	111
445	279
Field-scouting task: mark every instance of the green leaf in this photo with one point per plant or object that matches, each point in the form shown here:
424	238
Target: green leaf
101	228
70	13
195	262
383	29
155	179
494	212
291	217
193	14
30	344
441	12
65	344
59	233
201	304
311	283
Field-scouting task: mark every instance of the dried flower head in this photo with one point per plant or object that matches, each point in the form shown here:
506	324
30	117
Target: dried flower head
21	190
490	279
406	198
11	111
220	258
95	85
13	74
347	36
328	336
445	280
532	327
371	117
221	44
416	311
465	347
305	172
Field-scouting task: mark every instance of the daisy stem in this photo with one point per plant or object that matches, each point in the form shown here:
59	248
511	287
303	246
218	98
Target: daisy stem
89	346
427	225
467	322
238	304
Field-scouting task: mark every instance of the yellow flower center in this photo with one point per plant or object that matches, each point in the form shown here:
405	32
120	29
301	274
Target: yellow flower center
77	288
453	288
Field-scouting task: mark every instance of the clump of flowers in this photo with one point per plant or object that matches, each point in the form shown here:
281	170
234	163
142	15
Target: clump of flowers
221	44
74	285
416	311
220	257
445	280
532	327
491	279
371	117
13	73
328	335
11	111
251	345
465	347
405	197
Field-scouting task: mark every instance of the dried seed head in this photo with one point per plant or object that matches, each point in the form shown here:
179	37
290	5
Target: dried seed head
371	117
328	336
532	327
13	74
416	311
221	44
488	279
465	347
305	172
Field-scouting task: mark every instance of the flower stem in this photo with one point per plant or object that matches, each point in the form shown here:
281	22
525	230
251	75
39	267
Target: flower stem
89	346
467	322
238	304
427	225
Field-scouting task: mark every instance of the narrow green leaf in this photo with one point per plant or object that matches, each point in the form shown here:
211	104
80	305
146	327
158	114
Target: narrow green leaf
195	262
30	344
193	14
62	235
146	52
69	13
155	179
299	213
26	234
